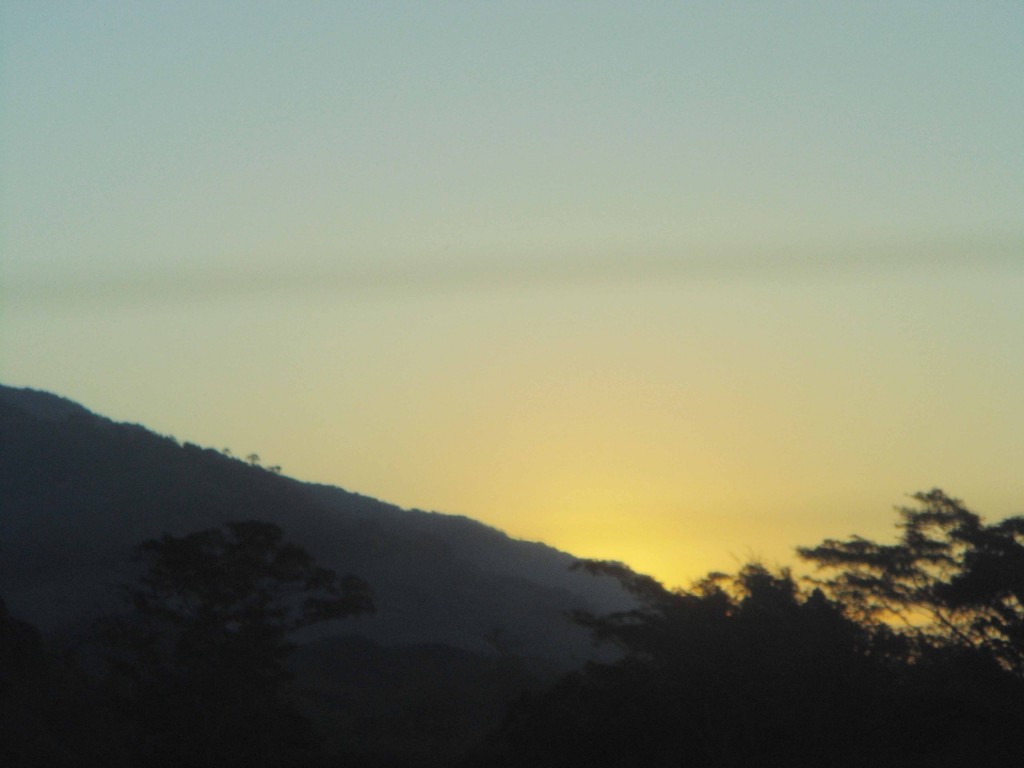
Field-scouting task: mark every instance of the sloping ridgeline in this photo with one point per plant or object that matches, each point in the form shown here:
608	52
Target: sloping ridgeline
78	492
461	608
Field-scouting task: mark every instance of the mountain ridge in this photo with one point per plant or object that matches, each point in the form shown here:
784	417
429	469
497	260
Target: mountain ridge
79	491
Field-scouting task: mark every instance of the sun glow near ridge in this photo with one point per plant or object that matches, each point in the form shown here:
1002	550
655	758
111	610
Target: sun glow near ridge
732	400
680	427
675	284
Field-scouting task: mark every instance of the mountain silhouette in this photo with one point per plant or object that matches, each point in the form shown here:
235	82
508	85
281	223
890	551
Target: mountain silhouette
78	492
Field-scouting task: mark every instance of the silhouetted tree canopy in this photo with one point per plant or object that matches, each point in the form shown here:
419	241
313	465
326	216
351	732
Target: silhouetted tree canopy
719	675
200	661
909	656
50	714
950	579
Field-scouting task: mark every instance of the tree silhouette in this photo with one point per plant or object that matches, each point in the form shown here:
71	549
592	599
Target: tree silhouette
732	671
760	668
48	712
950	579
200	662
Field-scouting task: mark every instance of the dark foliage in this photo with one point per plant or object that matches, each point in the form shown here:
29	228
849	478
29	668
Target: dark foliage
950	580
720	675
78	492
50	712
422	705
756	669
903	654
199	667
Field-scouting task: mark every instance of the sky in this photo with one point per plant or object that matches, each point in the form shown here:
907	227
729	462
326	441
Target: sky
679	284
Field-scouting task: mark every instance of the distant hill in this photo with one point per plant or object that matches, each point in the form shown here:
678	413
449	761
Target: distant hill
41	404
78	492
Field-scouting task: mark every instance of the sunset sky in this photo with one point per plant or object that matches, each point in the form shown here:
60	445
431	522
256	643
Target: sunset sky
679	284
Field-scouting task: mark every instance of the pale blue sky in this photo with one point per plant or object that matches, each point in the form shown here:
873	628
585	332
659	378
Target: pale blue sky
662	281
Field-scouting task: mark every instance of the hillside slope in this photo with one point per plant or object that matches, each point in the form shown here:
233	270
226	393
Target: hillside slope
78	492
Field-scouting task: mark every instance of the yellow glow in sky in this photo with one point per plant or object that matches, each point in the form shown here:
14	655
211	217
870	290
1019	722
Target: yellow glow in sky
676	284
